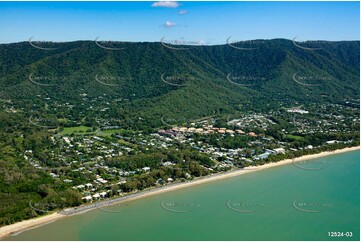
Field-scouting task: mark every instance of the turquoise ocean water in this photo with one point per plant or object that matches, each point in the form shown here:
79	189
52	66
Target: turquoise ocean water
292	202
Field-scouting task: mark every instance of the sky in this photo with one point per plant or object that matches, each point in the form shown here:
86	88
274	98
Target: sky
202	22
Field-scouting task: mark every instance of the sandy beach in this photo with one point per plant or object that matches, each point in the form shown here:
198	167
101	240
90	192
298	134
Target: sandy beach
28	224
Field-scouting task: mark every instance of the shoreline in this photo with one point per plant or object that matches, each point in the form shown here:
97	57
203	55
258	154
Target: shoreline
18	227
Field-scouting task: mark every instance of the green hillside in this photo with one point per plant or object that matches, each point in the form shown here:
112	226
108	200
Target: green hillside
150	80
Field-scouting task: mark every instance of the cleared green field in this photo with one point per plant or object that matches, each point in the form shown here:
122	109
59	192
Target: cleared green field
294	137
75	130
109	132
84	130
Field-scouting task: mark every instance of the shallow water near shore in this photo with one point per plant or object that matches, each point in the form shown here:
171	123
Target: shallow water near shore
292	202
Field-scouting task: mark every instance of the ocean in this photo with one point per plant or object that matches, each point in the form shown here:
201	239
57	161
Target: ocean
305	201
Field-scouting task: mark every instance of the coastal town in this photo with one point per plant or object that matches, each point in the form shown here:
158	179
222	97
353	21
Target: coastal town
179	121
85	159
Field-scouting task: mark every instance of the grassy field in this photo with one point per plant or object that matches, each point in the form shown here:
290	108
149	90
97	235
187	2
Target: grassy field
76	130
109	132
84	130
294	137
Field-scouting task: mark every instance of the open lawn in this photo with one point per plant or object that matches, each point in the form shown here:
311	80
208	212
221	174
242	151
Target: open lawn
294	137
76	130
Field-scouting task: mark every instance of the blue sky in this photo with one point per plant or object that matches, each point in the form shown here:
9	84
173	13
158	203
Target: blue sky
211	22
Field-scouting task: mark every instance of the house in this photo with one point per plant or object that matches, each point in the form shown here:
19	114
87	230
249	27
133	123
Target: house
67	140
88	185
170	179
252	134
53	175
80	187
101	180
96	196
331	142
271	151
191	130
145	169
296	110
87	198
122	182
199	130
279	150
167	163
97	138
182	129
103	194
263	156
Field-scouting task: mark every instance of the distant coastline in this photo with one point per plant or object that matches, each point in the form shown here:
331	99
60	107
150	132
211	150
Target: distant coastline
36	222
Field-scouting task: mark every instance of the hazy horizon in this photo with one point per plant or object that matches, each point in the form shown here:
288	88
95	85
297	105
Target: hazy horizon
225	43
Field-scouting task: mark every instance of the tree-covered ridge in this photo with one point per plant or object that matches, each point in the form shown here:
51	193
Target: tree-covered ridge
223	76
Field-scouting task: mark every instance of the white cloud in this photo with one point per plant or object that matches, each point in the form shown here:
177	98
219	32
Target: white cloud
169	24
182	12
166	4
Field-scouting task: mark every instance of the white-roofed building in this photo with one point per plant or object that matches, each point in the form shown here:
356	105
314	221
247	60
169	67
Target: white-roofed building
96	196
87	198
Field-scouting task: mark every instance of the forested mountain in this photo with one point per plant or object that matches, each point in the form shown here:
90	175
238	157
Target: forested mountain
145	81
